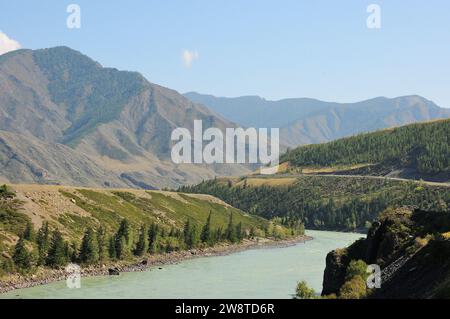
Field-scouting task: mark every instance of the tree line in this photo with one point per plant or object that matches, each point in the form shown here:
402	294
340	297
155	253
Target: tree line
424	146
328	203
49	248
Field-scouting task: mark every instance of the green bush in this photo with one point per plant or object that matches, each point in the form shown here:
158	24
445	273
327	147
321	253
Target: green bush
355	288
356	268
304	292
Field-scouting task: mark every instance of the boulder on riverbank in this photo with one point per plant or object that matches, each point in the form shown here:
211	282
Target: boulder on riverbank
113	272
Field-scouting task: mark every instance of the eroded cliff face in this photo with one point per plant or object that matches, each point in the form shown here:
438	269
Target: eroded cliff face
337	262
425	275
334	274
412	247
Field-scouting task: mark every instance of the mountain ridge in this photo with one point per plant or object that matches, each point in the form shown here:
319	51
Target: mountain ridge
309	121
118	119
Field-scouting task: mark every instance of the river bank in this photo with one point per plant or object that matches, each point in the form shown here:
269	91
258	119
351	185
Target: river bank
44	276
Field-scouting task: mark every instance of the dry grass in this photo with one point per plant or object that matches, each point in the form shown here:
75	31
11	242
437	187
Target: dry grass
330	169
277	181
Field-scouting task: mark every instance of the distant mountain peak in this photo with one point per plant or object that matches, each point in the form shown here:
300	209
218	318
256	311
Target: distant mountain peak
307	121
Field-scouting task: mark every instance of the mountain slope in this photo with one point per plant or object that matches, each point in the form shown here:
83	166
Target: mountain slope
52	226
30	160
412	151
308	121
118	119
345	203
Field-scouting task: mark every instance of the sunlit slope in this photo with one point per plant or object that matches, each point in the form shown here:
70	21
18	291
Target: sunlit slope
413	151
73	210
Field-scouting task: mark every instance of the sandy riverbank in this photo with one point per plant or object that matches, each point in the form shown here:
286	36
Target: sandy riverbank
44	276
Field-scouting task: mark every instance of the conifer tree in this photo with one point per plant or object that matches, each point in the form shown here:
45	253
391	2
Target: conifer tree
142	244
187	233
121	247
112	248
205	236
190	234
21	256
43	242
231	230
29	234
124	230
239	233
57	251
152	238
73	252
102	244
122	240
89	248
195	236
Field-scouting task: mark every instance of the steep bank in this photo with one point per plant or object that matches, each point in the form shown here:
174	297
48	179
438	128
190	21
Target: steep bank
411	246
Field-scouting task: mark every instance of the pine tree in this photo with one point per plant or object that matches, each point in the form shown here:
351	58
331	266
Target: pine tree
205	236
191	237
122	240
102	244
57	251
89	248
187	233
124	230
142	244
195	236
73	252
112	248
219	235
21	256
231	231
121	247
239	233
29	234
152	238
43	242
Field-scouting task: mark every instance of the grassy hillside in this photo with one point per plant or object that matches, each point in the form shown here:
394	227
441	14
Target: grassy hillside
417	150
161	221
324	202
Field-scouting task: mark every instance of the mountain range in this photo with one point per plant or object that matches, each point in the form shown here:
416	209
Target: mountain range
65	119
310	121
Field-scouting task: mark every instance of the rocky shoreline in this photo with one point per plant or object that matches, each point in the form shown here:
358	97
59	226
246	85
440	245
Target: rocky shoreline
45	276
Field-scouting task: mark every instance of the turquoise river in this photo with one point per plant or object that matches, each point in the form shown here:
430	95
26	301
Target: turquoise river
256	273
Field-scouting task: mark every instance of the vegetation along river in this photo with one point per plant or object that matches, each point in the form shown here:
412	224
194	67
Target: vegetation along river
257	273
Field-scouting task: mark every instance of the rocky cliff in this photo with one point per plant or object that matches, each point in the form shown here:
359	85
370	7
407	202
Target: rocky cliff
411	246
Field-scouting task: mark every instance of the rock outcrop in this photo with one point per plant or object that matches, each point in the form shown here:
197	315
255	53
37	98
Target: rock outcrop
412	247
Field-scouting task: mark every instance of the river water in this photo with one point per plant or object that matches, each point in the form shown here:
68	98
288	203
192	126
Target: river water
257	273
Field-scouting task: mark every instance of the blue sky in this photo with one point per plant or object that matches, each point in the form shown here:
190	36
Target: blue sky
275	49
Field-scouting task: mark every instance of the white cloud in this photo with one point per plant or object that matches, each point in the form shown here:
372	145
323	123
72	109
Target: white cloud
7	44
188	57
